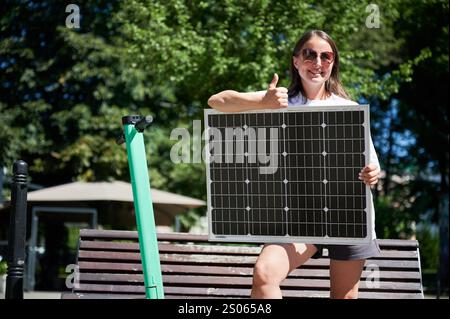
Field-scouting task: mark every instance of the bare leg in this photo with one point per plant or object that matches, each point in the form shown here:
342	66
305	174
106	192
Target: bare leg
344	278
274	264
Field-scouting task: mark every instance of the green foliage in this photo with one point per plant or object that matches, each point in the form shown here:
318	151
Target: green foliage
206	48
393	219
3	267
429	248
63	91
189	219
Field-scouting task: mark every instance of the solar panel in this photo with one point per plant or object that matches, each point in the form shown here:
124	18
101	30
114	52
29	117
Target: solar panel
289	175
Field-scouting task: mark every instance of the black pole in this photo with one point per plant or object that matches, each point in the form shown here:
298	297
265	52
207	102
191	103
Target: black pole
17	231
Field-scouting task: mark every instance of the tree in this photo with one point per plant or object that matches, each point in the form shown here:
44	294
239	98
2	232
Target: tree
60	93
64	90
424	108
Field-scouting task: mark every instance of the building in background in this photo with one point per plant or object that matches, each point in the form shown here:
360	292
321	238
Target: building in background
56	213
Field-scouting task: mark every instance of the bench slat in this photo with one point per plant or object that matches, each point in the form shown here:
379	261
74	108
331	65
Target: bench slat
133	235
108	255
245	260
172	292
226	259
186	237
115	278
298	294
108	245
300	272
136	269
88	287
82	295
112	266
190	280
208	249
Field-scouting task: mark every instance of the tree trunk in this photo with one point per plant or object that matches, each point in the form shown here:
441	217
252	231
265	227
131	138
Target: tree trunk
443	231
389	155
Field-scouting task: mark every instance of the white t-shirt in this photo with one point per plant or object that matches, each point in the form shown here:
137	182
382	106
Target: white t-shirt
337	100
333	100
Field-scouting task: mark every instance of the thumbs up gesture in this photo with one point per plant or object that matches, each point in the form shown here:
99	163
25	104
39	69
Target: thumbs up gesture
275	97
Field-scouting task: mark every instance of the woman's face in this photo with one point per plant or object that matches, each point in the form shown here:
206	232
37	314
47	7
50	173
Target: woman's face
314	62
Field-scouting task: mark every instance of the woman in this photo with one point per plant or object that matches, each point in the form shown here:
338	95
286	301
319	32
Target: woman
314	81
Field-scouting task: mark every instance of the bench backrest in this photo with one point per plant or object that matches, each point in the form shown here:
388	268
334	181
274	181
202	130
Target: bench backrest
110	267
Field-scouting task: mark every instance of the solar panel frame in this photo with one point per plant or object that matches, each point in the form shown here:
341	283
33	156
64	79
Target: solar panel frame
287	238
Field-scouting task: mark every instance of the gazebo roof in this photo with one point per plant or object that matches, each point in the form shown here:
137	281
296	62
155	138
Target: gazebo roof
107	191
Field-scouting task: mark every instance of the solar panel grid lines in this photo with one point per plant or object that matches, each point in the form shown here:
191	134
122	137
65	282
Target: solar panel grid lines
297	179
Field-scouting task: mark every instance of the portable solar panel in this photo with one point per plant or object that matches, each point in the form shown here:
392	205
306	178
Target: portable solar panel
289	175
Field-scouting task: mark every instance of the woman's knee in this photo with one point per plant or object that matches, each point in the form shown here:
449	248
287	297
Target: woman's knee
270	269
265	272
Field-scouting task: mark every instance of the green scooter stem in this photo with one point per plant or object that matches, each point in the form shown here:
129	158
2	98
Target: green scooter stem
144	212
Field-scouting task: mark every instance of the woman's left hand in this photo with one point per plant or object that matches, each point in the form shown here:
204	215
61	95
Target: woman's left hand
369	174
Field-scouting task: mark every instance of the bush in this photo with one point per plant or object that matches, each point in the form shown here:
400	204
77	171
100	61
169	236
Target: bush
429	247
3	267
393	220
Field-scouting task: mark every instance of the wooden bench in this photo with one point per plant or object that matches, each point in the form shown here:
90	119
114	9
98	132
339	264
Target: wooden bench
110	267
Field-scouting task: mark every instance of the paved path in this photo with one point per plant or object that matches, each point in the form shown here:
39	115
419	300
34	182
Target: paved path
38	295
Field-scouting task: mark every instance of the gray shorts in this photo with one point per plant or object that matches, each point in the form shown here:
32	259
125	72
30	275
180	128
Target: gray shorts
349	252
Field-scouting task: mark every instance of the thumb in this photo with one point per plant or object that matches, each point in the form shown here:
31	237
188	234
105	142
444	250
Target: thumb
273	83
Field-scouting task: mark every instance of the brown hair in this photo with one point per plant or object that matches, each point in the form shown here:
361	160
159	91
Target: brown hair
333	84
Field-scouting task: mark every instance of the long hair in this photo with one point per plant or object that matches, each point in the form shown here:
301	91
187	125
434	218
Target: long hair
333	84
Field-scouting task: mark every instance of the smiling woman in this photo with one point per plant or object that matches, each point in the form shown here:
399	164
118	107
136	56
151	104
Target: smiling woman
314	81
312	77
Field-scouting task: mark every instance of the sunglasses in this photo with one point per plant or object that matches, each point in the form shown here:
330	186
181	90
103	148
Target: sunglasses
310	55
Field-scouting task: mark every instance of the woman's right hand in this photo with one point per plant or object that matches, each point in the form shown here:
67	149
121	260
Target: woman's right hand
275	97
233	101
